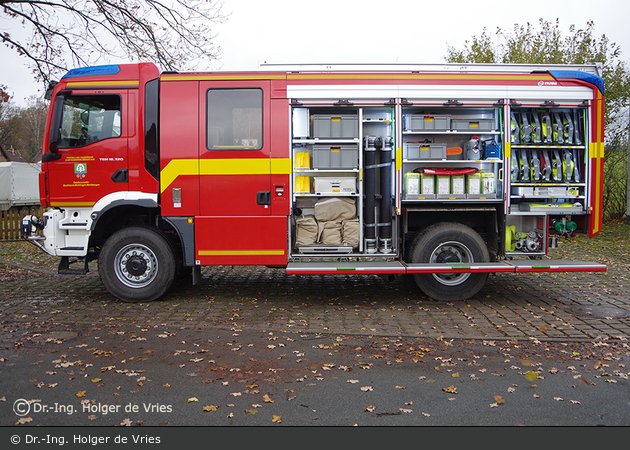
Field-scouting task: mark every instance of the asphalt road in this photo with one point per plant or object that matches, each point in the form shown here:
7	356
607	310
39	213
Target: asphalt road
255	347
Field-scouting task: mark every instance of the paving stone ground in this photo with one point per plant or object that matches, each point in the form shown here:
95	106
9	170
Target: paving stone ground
545	306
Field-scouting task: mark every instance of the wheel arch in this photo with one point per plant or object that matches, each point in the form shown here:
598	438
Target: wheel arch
482	219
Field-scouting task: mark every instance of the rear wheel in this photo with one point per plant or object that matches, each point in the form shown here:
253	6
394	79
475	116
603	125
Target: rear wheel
137	264
449	243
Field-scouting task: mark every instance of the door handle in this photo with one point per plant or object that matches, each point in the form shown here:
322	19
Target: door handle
120	176
263	198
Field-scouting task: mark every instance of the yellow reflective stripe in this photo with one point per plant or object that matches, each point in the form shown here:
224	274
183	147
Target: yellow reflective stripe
281	166
254	166
175	168
221	77
239	252
596	150
236	166
127	83
75	204
508	149
399	158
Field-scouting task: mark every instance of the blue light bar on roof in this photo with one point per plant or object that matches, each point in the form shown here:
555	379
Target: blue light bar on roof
111	69
588	77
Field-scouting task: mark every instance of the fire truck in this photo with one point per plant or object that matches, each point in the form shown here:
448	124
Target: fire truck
446	173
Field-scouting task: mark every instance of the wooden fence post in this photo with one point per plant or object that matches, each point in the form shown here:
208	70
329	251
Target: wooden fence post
11	222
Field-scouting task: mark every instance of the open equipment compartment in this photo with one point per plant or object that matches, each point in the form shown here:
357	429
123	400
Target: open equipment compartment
452	153
343	157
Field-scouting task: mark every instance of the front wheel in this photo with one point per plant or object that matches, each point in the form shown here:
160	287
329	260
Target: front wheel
137	264
449	243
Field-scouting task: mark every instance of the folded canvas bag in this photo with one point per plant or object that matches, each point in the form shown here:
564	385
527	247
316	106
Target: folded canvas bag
335	209
350	232
330	233
306	230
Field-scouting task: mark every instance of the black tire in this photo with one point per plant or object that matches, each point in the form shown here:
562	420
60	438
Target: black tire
137	264
449	243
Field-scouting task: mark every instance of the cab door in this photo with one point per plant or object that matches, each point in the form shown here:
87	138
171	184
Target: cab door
91	159
236	225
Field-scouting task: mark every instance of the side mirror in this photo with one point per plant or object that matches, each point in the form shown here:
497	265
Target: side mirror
49	90
55	126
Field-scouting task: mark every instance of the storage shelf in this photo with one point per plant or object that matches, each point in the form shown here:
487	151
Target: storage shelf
542	197
454	200
325	170
326	141
545	183
454	161
557	147
510	254
327	194
448	132
548	211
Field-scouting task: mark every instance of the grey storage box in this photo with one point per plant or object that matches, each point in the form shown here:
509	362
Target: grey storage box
416	150
341	126
339	185
336	156
473	124
422	122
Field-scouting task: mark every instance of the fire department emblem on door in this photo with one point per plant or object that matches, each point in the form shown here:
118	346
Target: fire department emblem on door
80	170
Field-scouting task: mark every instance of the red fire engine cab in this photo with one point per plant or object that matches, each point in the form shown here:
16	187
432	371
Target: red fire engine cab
444	172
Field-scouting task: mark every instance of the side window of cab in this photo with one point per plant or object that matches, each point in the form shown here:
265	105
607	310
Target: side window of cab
87	119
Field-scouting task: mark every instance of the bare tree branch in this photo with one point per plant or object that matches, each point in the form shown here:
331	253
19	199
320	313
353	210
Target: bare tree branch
175	34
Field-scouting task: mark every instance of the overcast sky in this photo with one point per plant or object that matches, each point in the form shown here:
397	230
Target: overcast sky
366	31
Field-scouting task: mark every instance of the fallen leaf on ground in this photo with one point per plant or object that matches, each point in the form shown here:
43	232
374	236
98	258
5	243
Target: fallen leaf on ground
276	419
267	399
531	376
24	420
81	394
251	411
370	408
193	399
210	408
366	388
126	423
96	380
451	389
499	399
